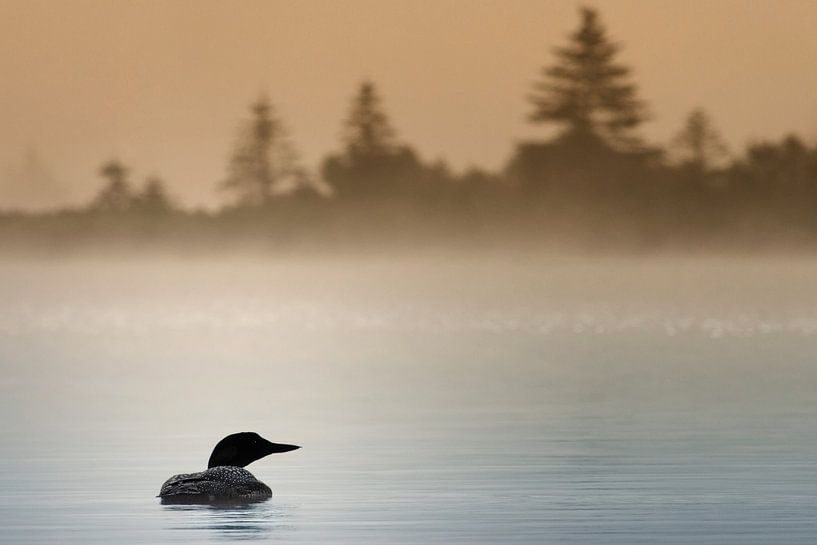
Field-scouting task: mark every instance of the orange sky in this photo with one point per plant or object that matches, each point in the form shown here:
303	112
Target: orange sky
162	84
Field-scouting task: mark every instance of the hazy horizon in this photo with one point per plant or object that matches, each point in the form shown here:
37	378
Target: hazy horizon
164	85
605	333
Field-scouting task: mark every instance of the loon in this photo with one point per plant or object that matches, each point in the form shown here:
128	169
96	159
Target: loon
225	479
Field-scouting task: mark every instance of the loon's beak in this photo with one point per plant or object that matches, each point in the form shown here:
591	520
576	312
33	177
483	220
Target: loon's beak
275	448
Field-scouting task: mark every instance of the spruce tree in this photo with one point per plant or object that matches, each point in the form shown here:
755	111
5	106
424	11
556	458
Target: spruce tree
367	131
373	163
698	145
264	161
587	91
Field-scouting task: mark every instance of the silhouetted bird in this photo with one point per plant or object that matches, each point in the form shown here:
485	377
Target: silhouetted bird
225	479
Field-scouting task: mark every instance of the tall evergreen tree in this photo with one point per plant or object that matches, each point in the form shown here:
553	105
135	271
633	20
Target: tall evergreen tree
264	161
698	145
367	131
700	189
587	91
116	195
373	163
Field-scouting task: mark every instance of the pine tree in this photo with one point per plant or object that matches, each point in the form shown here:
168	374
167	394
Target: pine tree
587	91
264	161
116	195
367	131
373	163
698	145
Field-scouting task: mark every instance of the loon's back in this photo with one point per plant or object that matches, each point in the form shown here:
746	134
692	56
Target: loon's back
225	479
222	483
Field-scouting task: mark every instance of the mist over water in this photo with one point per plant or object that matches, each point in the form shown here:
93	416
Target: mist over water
443	400
500	285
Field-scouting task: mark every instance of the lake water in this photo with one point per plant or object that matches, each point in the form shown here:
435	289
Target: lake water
458	401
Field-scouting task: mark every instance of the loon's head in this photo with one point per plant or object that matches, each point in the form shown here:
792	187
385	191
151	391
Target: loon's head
241	449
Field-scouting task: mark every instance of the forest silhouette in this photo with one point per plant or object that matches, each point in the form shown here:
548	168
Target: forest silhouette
595	184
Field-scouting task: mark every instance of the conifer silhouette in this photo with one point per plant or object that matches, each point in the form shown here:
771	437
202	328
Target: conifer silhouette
264	161
587	90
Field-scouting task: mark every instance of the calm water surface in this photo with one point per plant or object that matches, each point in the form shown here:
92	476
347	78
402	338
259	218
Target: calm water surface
437	401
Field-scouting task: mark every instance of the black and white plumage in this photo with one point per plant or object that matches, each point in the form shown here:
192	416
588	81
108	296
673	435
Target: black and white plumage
222	483
225	479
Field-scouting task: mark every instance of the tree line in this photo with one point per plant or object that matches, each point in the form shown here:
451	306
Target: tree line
596	179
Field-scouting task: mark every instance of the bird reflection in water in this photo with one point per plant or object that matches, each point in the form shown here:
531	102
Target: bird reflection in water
247	521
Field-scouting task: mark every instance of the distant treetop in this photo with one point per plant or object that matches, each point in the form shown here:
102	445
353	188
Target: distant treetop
587	91
116	195
699	145
367	131
373	163
264	161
